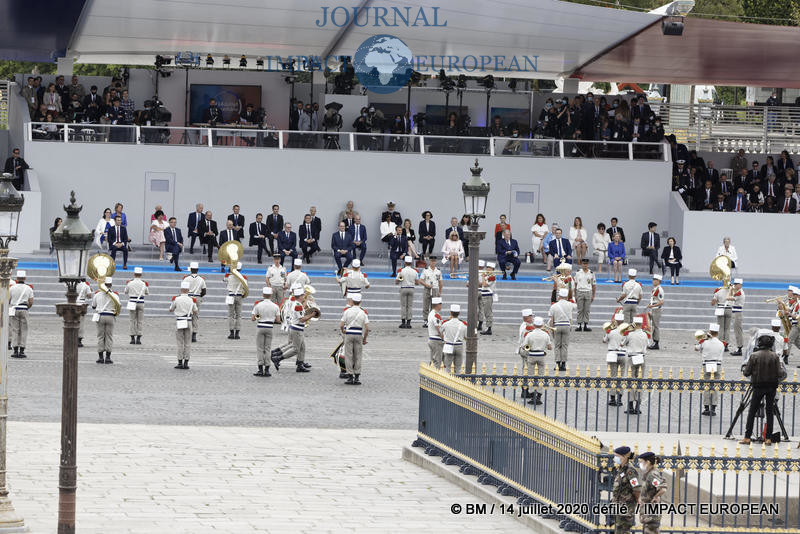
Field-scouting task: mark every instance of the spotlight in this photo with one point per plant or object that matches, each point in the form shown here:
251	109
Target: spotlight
513	84
162	60
445	83
243	62
209	61
487	81
226	62
672	26
462	81
260	63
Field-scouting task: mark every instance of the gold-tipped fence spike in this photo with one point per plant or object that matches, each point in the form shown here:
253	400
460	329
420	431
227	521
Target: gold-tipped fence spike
577	370
670	373
515	370
505	369
691	373
630	372
680	373
650	373
661	449
722	374
738	451
474	367
750	450
636	449
713	455
660	372
494	368
598	371
453	368
763	449
483	369
588	371
775	451
675	448
525	369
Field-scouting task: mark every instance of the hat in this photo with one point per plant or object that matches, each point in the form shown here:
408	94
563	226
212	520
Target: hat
713	327
527	312
619	317
436	300
355	297
194	265
638	320
356	263
298	261
108	281
481	263
21	273
657	276
738	281
276	255
631	272
585	260
238	265
390	204
564	266
266	290
681	161
490	264
622	450
137	270
538	321
795	290
185	284
298	291
775	322
455	308
647	456
408	259
563	292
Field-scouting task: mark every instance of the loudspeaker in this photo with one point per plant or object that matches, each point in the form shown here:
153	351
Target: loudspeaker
671	27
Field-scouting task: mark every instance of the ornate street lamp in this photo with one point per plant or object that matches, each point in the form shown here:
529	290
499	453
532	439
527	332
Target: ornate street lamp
71	241
476	192
11	202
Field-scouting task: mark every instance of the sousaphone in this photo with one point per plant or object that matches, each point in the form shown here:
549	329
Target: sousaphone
720	269
231	253
100	267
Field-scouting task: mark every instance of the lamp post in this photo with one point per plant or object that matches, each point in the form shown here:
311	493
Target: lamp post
11	202
71	241
475	191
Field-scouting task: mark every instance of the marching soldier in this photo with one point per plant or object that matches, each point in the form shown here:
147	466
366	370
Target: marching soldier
183	306
105	316
266	314
276	279
637	343
538	342
524	329
656	303
234	302
407	278
355	328
781	346
723	299
297	276
453	331
354	280
84	297
711	350
794	314
136	290
626	490
586	287
487	289
653	487
296	317
615	355
434	323
560	319
736	313
20	301
197	290
631	296
431	280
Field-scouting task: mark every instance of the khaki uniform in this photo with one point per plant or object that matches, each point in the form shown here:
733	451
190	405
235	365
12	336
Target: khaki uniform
657	301
616	350
136	290
633	294
355	319
781	343
104	307
236	291
435	342
561	313
652	483
453	332
794	333
636	342
276	278
196	286
623	493
736	313
711	351
431	277
297	277
487	290
183	306
354	281
538	341
524	329
723	312
407	277
584	286
84	297
20	294
296	346
267	314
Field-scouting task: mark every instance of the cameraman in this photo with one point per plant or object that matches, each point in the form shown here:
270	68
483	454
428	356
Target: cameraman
332	121
765	371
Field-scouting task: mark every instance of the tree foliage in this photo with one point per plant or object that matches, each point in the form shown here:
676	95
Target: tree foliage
9	68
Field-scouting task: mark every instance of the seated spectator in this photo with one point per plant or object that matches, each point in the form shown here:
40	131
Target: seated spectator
739	202
755	199
724	186
788	204
784	164
616	256
705	197
513	145
500	226
772	187
156	237
411	237
101	229
577	239
92	98
768	169
349	207
118	212
507	250
538	232
453	253
600	242
671	254
549	236
74	112
726	249
387	228
497	129
790	176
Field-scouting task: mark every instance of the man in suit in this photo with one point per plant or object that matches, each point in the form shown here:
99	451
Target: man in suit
641	110
454	227
316	222
16	167
212	114
398	248
426	233
342	246
359	235
788	204
208	234
258	235
720	204
772	187
174	242
724	186
118	241
712	173
287	243
754	176
741	180
561	250
193	227
92	98
228	234
507	251
62	90
738	202
238	222
274	226
29	94
705	197
396	217
650	245
309	236
613	228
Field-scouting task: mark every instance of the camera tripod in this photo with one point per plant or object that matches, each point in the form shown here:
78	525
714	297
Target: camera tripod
332	140
746	399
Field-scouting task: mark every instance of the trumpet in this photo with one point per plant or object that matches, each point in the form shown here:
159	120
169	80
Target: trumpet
701	335
782	302
626	328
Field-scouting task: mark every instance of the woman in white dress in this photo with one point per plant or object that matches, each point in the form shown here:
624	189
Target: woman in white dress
157	227
453	252
600	241
101	230
577	239
726	249
538	232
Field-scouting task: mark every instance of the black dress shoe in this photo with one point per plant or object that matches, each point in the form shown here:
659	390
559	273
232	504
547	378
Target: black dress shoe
586	328
138	340
579	328
350	380
306	365
266	372
276	361
177	269
513	276
231	336
260	371
504	276
108	358
100	358
301	369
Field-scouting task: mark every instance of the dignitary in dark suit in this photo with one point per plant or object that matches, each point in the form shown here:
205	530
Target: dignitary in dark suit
342	247
309	236
16	167
738	202
560	249
228	234
287	243
316	223
258	235
359	235
705	197
454	227
395	215
427	233
711	173
238	222
118	241
613	228
507	251
193	227
650	245
274	226
173	242
788	204
208	234
398	248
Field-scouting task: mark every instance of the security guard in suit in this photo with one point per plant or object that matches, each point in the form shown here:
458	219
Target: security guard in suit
105	317
197	290
183	306
234	302
136	290
20	301
266	315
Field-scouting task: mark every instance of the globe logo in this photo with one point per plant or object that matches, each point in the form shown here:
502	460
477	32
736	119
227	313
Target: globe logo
383	64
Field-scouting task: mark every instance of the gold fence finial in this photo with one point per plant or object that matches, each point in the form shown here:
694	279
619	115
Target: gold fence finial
483	368
750	452
675	448
763	449
494	368
650	372
713	455
691	373
794	377
661	450
505	369
680	373
463	368
630	371
453	367
670	373
738	451
515	370
577	370
598	372
722	374
525	369
775	451
636	449
660	372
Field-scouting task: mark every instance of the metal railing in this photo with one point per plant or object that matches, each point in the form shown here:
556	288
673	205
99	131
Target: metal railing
5	101
348	141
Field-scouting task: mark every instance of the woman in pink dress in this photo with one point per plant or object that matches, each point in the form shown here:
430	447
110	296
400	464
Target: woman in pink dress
453	253
157	232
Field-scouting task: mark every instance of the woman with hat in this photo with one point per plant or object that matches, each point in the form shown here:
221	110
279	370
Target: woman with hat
626	490
653	487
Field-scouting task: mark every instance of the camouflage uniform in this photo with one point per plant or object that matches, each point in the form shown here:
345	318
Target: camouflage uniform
626	484
653	482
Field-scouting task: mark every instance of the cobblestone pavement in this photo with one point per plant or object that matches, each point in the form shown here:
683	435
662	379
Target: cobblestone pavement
173	480
219	389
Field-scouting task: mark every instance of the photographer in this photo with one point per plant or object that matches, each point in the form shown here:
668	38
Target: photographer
332	121
765	371
375	121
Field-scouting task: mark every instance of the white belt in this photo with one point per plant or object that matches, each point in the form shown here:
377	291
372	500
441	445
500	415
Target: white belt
454	344
537	353
631	302
299	328
265	324
434	338
561	324
718	362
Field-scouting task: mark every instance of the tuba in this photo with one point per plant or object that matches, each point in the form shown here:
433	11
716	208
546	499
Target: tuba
783	312
100	267
701	335
720	269
231	252
309	304
626	328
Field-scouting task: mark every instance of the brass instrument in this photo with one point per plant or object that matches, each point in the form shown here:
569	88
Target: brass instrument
309	304
626	328
231	252
100	267
720	269
701	335
782	302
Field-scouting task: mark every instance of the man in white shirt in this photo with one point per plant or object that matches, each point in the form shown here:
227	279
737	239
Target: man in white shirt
197	290
431	280
136	290
656	303
538	342
636	342
266	314
631	296
453	332
354	326
183	306
276	279
20	301
711	350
